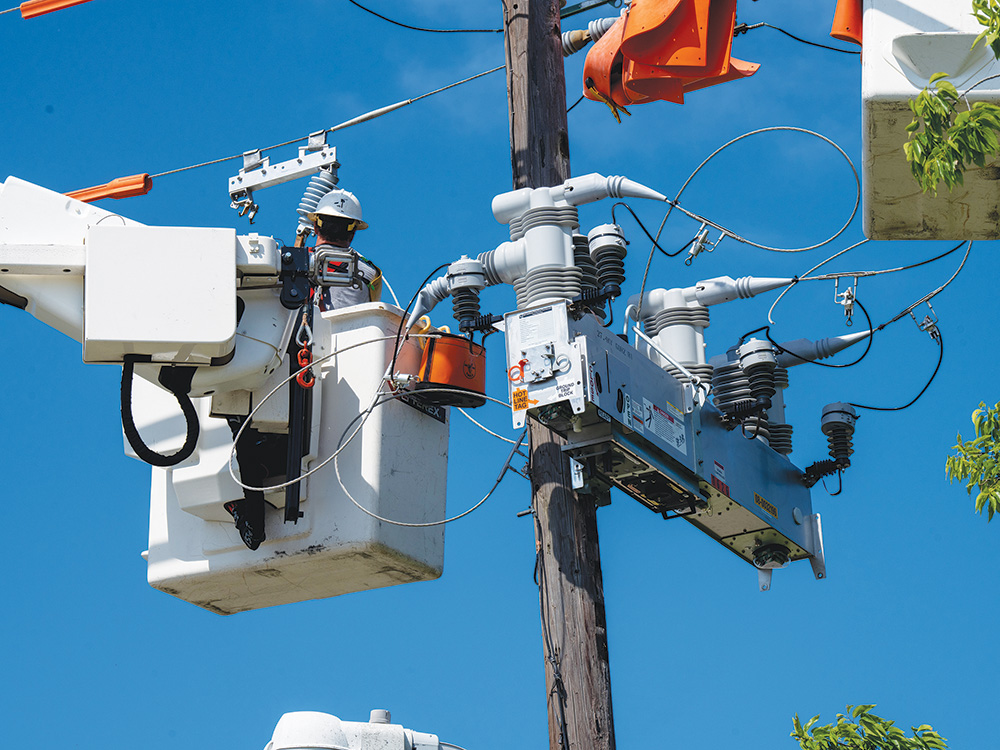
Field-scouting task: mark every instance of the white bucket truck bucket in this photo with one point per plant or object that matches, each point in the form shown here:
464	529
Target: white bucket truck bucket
396	467
905	43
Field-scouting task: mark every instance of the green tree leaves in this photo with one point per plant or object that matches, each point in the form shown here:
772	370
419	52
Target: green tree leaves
860	729
987	12
977	461
944	142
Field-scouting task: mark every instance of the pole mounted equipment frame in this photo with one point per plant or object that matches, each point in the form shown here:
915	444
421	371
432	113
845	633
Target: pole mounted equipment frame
571	589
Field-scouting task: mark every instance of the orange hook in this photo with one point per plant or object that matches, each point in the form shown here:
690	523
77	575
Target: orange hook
306	379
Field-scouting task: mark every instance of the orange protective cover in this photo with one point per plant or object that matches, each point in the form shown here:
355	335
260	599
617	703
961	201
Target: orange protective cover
643	57
847	21
697	48
603	67
120	187
667	32
651	82
32	8
737	69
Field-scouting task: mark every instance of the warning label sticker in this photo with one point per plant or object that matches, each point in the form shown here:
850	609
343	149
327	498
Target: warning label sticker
668	425
519	399
765	506
537	327
635	416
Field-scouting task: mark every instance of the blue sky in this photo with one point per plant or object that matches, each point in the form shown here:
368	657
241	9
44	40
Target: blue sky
94	658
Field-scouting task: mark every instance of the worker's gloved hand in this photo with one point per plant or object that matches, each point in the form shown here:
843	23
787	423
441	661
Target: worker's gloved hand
250	524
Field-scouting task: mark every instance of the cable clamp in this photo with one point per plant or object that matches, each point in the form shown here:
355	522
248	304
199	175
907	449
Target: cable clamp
243	202
700	243
929	323
742	28
846	298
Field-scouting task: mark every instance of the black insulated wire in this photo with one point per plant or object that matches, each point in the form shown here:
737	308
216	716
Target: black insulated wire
420	28
940	343
783	350
646	231
930	295
744	28
840	484
861	274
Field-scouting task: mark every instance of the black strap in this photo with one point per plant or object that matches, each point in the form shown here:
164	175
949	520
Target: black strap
175	385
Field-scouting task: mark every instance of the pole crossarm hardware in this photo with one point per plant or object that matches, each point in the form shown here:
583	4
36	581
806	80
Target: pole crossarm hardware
568	571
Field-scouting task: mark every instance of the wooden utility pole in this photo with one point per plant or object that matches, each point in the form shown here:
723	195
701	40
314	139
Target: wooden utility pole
571	590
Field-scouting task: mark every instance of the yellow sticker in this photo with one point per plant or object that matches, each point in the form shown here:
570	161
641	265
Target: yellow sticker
519	401
765	506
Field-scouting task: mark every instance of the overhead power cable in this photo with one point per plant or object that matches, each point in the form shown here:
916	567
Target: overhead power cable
744	28
420	28
930	295
674	203
851	274
798	278
879	272
125	187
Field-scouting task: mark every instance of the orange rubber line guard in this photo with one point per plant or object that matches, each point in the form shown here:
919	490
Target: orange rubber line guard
32	8
120	187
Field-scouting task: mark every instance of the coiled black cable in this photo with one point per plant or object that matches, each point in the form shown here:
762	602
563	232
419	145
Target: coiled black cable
143	451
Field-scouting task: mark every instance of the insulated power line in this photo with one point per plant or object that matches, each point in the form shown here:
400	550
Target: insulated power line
420	28
744	28
645	231
930	295
347	123
780	349
940	342
570	107
777	128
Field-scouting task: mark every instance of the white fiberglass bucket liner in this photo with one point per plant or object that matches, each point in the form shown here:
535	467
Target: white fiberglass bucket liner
396	467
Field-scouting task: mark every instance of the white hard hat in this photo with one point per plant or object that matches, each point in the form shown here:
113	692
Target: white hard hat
340	203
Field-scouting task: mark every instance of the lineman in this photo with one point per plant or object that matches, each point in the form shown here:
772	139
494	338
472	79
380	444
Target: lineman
336	218
261	455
